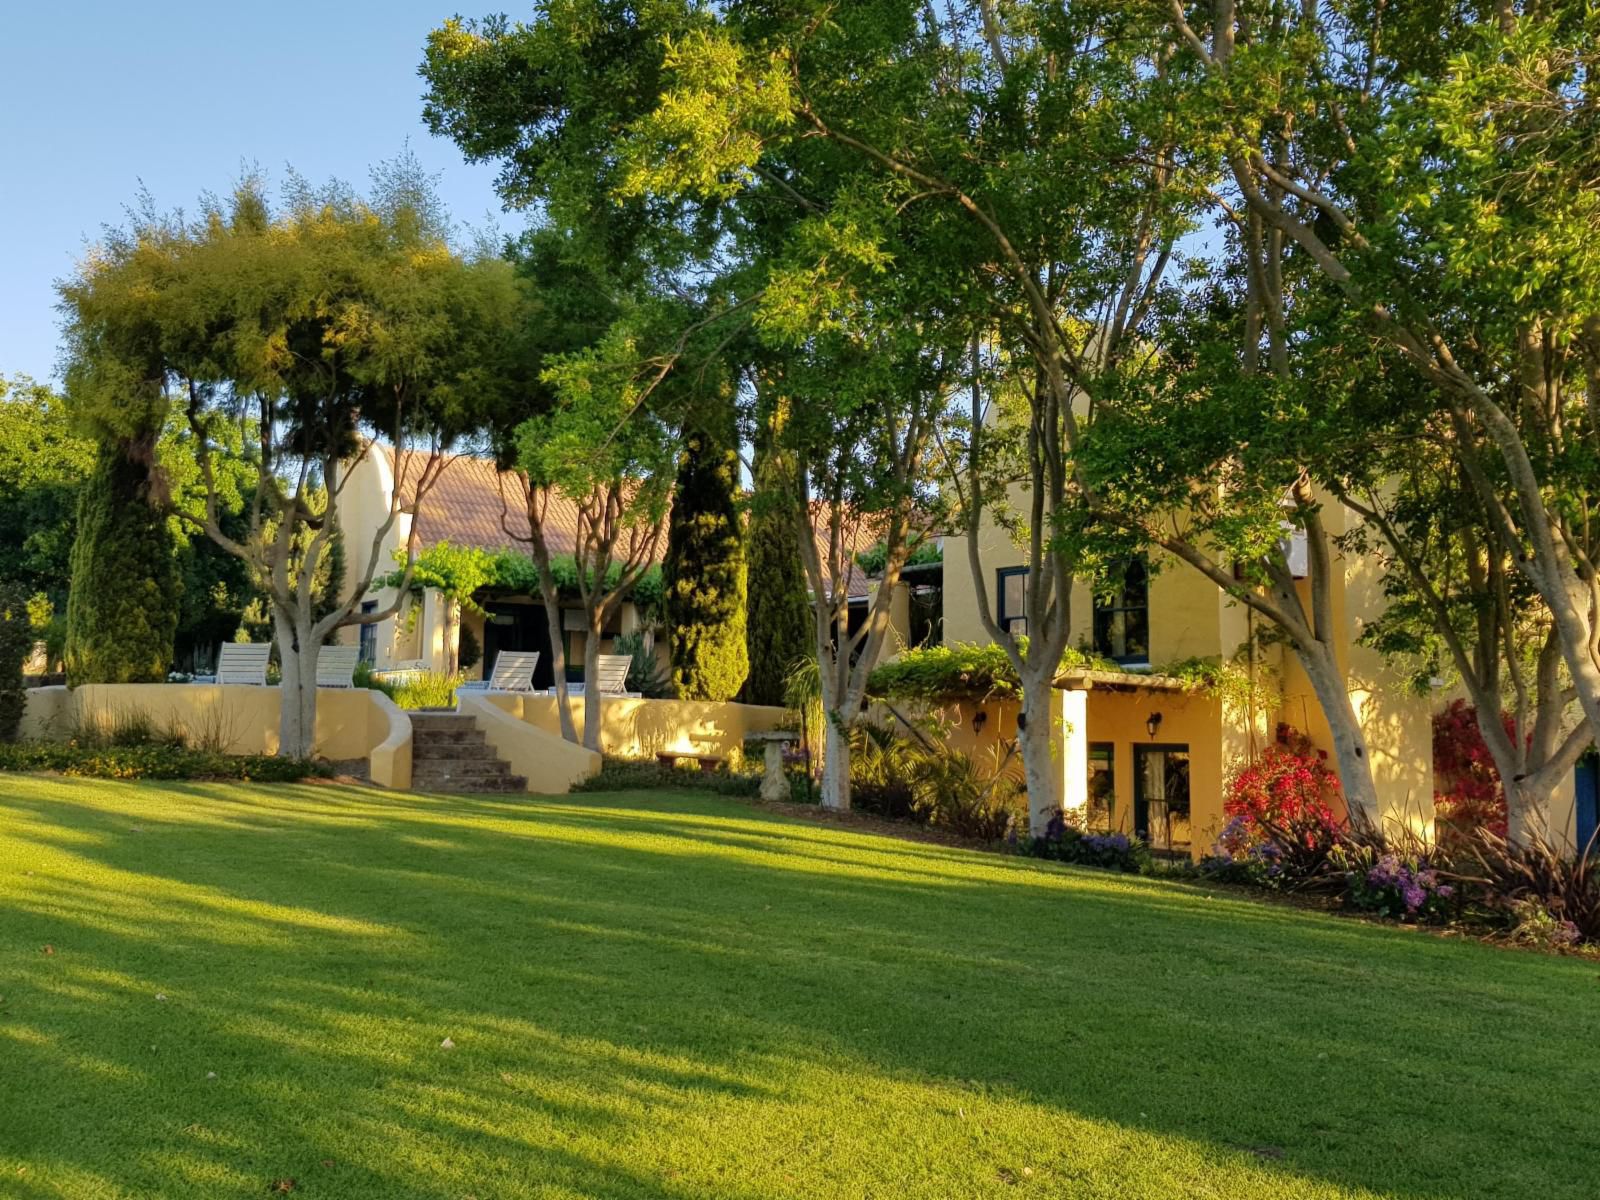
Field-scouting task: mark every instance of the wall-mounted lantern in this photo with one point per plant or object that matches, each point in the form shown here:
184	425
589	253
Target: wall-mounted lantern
1152	723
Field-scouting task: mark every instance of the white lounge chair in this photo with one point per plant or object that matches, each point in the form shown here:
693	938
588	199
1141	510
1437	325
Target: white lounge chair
513	672
336	666
613	674
243	663
613	678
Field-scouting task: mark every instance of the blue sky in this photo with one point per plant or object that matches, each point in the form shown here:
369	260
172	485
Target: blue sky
97	97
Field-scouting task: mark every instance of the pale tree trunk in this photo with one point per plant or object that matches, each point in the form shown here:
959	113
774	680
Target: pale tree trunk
591	687
452	635
298	652
1039	766
558	653
1527	813
835	761
1350	754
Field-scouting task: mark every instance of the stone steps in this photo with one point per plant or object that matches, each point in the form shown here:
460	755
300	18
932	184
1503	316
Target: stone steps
450	754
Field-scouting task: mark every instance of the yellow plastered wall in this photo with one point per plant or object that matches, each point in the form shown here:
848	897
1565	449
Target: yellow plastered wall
1190	720
1183	602
1562	814
984	728
351	722
636	728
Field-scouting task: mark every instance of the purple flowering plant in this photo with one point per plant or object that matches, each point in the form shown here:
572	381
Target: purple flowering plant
1064	841
1406	888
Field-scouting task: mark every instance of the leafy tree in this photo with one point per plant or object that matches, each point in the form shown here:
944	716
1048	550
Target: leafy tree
319	326
620	295
999	157
43	463
1433	165
704	569
603	451
1458	606
864	407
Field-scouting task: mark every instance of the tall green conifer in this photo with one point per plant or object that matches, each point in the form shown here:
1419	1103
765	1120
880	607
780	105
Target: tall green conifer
704	571
122	609
778	628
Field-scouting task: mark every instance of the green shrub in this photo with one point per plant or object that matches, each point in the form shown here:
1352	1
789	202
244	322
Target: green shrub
366	676
469	651
645	774
16	640
881	764
960	671
152	761
954	791
426	689
122	611
123	727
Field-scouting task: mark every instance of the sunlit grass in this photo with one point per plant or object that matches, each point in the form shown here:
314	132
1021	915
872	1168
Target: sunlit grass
676	996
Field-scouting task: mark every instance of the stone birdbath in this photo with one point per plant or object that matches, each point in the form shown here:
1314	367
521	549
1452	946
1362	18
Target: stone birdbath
774	786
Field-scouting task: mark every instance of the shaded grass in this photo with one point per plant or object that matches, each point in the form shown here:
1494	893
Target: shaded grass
677	996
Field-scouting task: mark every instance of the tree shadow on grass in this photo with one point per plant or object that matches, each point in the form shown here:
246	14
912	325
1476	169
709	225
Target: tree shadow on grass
606	972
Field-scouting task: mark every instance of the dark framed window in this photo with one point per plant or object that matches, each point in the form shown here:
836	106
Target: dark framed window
1011	599
926	615
1122	615
369	634
1102	787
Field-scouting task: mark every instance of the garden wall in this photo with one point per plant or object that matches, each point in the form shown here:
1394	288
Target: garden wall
634	728
351	723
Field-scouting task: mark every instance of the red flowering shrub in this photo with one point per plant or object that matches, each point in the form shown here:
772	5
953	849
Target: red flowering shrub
1289	789
1467	793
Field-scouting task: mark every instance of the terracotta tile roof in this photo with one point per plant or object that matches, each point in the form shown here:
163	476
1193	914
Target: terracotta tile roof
465	508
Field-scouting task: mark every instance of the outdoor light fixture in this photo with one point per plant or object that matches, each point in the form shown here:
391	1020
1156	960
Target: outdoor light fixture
979	720
1152	723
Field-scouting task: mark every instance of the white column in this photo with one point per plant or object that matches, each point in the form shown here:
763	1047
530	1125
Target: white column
1074	726
431	622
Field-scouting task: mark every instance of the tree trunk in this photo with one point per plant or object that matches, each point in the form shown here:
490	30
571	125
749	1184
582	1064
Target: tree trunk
591	687
558	659
835	763
1527	812
1040	768
298	652
452	636
1349	743
1570	616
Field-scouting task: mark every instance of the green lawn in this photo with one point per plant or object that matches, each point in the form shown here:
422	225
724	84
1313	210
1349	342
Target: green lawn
679	997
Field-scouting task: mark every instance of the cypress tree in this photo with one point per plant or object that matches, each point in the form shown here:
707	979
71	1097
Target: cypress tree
779	631
122	609
703	576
